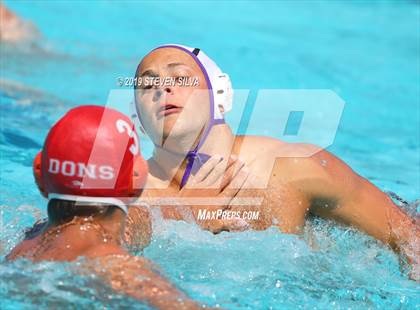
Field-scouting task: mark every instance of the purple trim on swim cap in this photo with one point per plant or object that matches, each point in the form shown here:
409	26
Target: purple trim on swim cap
203	69
194	162
219	121
193	155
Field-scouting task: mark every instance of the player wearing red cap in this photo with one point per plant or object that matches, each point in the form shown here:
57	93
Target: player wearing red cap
89	169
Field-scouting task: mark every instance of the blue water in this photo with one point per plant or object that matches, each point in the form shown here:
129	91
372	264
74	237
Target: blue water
367	52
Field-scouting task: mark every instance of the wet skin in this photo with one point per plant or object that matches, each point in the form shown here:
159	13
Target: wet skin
100	241
293	180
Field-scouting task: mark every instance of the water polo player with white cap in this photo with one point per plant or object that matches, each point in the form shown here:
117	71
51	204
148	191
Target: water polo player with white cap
202	104
286	181
183	121
90	168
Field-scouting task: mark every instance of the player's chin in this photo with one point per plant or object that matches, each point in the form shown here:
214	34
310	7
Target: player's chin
168	128
174	126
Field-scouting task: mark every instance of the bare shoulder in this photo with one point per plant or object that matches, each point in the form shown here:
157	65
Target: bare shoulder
314	170
255	150
19	250
259	144
268	156
263	151
310	160
264	147
104	249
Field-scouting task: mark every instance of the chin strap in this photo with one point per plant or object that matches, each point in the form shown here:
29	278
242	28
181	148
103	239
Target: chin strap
193	165
195	159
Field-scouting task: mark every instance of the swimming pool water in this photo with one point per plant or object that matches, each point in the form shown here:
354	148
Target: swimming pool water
367	52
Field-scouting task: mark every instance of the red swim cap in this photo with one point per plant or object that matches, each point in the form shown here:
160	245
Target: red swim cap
92	154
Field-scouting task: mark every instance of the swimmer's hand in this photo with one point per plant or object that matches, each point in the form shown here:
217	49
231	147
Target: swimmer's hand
217	183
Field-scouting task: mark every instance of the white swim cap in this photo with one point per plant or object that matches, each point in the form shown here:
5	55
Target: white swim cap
218	82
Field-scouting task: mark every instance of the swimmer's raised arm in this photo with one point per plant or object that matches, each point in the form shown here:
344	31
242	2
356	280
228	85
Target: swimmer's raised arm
333	190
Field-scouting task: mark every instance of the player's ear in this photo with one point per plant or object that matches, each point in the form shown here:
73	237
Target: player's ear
37	170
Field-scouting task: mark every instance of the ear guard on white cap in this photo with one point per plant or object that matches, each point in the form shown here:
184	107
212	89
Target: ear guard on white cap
217	81
223	94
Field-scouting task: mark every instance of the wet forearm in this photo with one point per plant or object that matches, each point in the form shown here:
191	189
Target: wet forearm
137	277
159	293
380	217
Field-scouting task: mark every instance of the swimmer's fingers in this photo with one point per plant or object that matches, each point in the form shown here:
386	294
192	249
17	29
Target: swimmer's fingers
237	183
208	167
217	226
231	173
223	169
